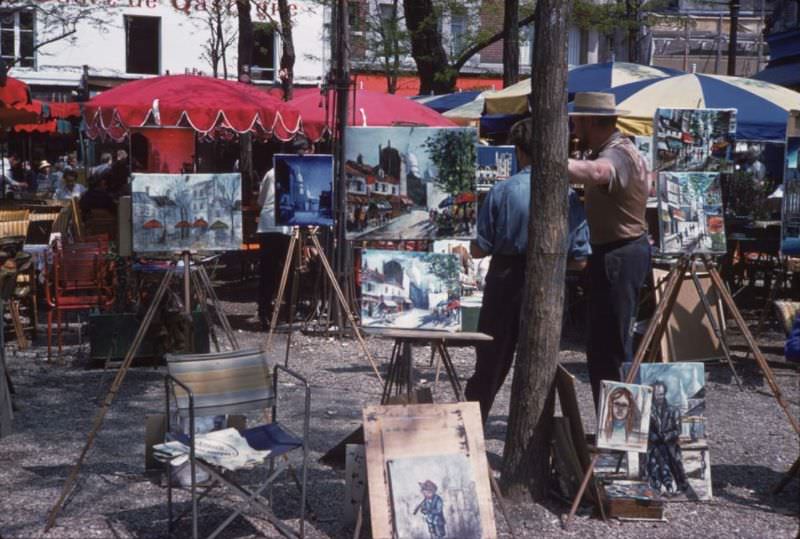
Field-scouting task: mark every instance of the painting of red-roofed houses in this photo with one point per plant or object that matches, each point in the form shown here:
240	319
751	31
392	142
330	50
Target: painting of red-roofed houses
410	183
173	213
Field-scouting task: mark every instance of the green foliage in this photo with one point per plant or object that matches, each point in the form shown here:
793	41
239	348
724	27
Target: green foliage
444	267
452	151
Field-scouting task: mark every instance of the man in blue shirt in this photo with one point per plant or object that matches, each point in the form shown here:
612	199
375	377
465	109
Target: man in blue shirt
503	234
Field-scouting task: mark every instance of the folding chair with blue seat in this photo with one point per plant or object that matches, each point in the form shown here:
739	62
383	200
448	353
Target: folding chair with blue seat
234	383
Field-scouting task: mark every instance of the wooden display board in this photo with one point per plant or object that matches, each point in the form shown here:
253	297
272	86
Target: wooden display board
411	447
689	335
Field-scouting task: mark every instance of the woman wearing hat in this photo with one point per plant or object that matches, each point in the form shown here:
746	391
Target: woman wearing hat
616	182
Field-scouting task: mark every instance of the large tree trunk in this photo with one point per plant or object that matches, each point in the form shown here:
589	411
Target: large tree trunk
287	54
245	50
511	43
526	458
435	74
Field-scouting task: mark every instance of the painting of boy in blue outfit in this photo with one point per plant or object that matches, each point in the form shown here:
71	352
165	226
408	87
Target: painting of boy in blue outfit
432	509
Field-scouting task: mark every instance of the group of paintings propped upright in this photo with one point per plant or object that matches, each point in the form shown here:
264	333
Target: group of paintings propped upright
693	149
790	235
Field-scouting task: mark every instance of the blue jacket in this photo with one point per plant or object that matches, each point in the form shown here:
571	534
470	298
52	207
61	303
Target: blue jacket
793	342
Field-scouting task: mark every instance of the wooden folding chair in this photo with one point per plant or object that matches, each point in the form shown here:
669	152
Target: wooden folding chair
234	383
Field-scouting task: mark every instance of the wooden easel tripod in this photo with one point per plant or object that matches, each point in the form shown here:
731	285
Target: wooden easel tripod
204	290
656	328
292	263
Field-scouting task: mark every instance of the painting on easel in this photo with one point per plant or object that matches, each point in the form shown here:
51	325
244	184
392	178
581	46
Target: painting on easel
303	190
410	290
790	244
694	140
691	219
624	417
173	213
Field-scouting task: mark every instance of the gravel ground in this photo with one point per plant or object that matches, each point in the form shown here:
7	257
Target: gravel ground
752	445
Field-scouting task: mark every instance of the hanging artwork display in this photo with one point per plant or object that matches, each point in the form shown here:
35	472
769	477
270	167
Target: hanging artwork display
678	462
303	190
173	213
495	163
694	140
624	416
690	211
790	236
427	472
406	183
410	290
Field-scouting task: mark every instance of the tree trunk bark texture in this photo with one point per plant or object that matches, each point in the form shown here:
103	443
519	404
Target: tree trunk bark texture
245	49
435	73
287	53
511	43
526	458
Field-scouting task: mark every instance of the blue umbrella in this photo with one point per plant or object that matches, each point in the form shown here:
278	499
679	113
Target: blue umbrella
443	103
446	202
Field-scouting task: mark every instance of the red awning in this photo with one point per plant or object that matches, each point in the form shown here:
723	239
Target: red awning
202	103
372	109
63	110
49	126
14	92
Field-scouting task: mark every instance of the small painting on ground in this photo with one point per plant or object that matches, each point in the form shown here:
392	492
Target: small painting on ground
790	244
495	163
434	497
698	140
303	190
173	213
624	417
410	290
691	219
411	183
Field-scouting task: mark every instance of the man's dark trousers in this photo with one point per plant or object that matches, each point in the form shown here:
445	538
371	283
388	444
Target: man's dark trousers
499	317
272	248
617	272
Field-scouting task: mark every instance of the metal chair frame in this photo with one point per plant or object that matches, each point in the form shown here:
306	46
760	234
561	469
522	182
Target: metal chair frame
250	497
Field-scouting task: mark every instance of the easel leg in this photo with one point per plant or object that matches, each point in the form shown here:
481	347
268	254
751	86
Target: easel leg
344	304
786	479
202	302
293	299
112	393
282	288
760	359
715	326
390	376
223	319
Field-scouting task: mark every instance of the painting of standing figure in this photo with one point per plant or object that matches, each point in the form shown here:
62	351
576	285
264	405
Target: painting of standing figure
624	417
303	190
410	290
173	213
434	498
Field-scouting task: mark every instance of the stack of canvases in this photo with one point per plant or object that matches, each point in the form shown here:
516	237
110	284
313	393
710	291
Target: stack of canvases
660	423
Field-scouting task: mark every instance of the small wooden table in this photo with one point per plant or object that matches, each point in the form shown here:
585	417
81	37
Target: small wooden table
400	377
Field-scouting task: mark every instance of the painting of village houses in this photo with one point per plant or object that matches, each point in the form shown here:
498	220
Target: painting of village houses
410	290
186	212
694	140
411	183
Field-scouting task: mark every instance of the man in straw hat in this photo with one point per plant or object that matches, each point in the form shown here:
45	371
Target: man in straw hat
616	189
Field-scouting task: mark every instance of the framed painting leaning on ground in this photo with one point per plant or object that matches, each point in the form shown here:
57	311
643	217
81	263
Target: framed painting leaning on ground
624	416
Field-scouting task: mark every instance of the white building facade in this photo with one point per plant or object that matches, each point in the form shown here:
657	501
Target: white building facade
128	39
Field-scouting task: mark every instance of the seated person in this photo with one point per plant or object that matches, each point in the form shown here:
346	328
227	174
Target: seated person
69	188
792	349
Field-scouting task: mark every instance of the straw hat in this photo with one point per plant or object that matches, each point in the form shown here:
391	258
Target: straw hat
595	104
44	164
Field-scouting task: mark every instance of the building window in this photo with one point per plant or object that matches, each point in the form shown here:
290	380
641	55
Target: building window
458	33
142	45
354	15
263	67
17	37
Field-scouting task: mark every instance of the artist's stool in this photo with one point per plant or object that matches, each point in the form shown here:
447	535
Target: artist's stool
400	377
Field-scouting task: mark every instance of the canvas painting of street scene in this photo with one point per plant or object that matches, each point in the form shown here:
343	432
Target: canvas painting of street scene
495	163
303	190
434	496
694	140
411	183
624	416
173	213
690	213
410	290
790	244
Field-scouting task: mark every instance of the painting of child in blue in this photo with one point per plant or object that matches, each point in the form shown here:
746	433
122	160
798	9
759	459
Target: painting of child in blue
304	190
432	509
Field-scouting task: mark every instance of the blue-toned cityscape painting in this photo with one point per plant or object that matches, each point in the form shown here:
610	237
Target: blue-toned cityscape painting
410	290
791	188
173	213
304	190
495	163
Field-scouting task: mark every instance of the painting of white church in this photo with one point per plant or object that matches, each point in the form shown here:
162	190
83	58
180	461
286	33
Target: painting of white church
303	190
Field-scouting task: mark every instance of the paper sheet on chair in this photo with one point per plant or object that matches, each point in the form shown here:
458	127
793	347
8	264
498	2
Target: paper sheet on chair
225	448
